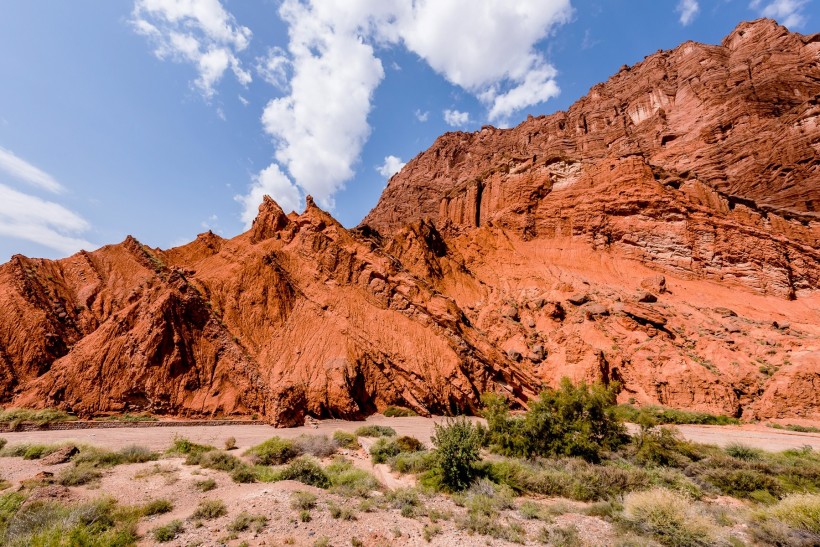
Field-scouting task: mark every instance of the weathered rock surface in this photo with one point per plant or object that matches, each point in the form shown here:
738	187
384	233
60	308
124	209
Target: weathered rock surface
500	260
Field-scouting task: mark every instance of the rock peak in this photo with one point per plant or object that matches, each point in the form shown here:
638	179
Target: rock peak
270	219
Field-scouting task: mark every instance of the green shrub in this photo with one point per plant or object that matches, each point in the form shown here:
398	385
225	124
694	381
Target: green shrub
563	536
210	509
274	451
318	446
800	511
457	444
343	439
406	500
383	449
305	470
663	415
409	444
398	412
245	521
216	459
570	421
230	443
413	462
350	481
375	431
183	446
672	519
2	443
662	446
168	532
302	500
39	417
77	475
205	485
243	475
741	483
341	512
157	507
743	452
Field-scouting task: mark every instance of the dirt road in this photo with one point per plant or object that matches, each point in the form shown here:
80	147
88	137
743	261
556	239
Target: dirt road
157	438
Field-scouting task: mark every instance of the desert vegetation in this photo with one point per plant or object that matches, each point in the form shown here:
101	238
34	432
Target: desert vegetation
555	474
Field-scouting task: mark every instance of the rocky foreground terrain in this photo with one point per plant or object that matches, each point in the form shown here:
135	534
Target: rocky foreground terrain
664	232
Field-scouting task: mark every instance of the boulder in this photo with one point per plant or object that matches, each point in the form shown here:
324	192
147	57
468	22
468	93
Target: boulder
61	455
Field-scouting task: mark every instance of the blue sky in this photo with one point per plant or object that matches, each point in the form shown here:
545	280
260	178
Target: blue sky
166	118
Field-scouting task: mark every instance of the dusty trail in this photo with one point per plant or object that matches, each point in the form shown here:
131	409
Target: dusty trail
755	435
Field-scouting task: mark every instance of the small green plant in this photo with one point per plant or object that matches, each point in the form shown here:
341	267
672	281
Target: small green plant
669	517
168	532
274	451
343	439
375	431
78	475
383	449
340	512
157	507
302	500
210	509
305	470
304	515
245	521
457	444
409	444
430	531
398	412
243	475
743	452
205	485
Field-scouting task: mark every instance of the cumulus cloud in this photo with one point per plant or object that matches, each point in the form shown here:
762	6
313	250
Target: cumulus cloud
33	219
273	182
787	12
22	170
273	67
391	166
455	118
496	59
688	10
200	32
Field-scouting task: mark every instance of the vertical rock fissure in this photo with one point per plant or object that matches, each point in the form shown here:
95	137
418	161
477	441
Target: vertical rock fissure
479	190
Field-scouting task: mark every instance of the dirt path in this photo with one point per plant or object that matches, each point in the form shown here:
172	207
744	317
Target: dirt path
158	438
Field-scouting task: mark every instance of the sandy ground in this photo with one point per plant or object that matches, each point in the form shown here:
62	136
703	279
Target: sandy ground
170	479
158	438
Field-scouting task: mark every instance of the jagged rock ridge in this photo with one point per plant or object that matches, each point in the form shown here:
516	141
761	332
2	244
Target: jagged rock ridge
662	233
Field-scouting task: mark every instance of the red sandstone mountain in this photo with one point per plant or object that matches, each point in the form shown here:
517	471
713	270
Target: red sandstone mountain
663	233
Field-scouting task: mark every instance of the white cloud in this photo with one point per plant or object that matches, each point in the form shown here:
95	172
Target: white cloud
200	32
787	12
390	167
243	100
22	170
496	58
50	224
454	118
422	116
273	67
688	10
330	69
273	182
320	127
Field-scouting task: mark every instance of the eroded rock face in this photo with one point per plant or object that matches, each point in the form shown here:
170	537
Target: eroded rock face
659	234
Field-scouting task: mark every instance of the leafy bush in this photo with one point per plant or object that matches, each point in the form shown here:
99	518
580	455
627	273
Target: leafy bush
663	415
215	459
302	500
663	446
168	532
671	518
350	481
78	475
274	451
398	412
375	431
205	485
245	520
157	507
457	444
318	446
305	470
409	444
571	421
243	475
383	449
742	483
743	452
413	462
183	446
343	439
210	509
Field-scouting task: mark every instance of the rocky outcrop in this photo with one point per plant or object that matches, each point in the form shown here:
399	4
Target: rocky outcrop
662	233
